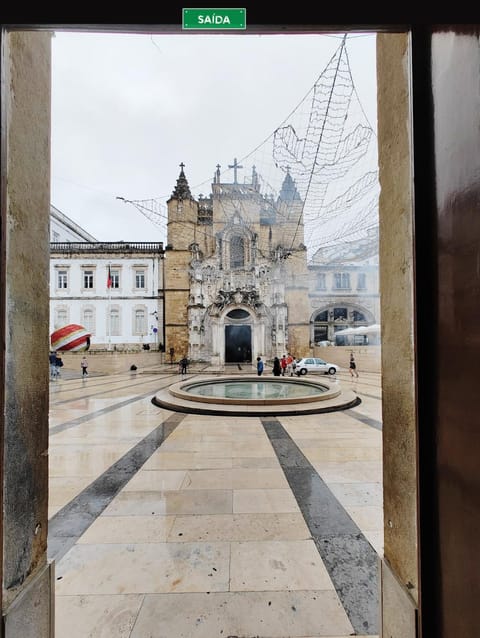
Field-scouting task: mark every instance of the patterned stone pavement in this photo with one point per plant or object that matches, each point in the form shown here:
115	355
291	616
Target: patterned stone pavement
164	524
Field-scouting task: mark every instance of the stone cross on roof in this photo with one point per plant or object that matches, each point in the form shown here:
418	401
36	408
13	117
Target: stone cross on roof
235	166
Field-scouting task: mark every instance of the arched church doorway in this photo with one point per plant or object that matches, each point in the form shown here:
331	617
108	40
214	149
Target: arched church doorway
238	344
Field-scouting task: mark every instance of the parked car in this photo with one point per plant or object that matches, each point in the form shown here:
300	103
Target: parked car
314	364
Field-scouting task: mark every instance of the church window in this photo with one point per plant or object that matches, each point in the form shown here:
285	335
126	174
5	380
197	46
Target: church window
139	279
340	314
320	327
114	322
361	281
88	320
61	318
237	252
62	279
358	316
320	333
342	280
88	279
115	276
140	323
321	281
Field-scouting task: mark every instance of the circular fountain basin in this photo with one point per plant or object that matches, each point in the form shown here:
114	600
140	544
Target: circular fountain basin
248	391
252	395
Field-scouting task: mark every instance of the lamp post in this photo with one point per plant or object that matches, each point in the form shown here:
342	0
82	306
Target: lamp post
109	308
155	328
162	257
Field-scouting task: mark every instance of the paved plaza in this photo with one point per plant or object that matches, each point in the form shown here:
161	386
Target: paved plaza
172	525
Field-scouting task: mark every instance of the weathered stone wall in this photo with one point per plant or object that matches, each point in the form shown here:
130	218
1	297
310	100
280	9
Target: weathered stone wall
27	585
400	588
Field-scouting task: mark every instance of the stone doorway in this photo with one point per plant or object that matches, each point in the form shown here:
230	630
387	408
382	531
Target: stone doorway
238	344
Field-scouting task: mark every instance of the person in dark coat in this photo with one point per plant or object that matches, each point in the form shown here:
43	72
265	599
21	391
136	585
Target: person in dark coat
277	370
183	366
58	363
53	368
353	366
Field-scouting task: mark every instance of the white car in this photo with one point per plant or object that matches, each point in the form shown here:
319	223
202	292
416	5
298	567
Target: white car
314	364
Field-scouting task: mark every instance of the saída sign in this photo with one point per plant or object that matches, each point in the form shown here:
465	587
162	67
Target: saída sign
214	19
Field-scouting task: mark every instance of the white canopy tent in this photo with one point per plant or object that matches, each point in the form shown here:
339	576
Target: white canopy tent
372	330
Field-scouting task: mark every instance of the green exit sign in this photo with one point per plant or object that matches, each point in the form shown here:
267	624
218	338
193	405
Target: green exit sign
214	19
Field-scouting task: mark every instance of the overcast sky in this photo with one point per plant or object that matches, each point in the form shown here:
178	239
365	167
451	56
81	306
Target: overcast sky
127	109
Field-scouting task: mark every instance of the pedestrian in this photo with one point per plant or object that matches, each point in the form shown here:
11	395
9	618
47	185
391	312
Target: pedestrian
283	364
259	366
84	366
58	364
353	366
183	365
289	365
53	368
277	370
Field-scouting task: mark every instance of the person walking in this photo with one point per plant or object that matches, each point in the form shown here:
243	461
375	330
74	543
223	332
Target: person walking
84	366
283	364
289	364
58	364
183	366
277	370
259	366
52	358
353	366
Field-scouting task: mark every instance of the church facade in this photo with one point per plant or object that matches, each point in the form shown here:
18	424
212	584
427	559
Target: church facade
236	278
233	282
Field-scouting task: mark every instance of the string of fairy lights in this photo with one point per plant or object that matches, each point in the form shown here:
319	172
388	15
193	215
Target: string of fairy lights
328	148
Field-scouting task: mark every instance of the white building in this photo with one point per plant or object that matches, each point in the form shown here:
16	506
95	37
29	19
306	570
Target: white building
113	290
344	291
64	229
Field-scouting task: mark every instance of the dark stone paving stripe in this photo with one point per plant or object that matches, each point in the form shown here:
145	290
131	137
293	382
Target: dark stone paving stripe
69	523
365	419
350	560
